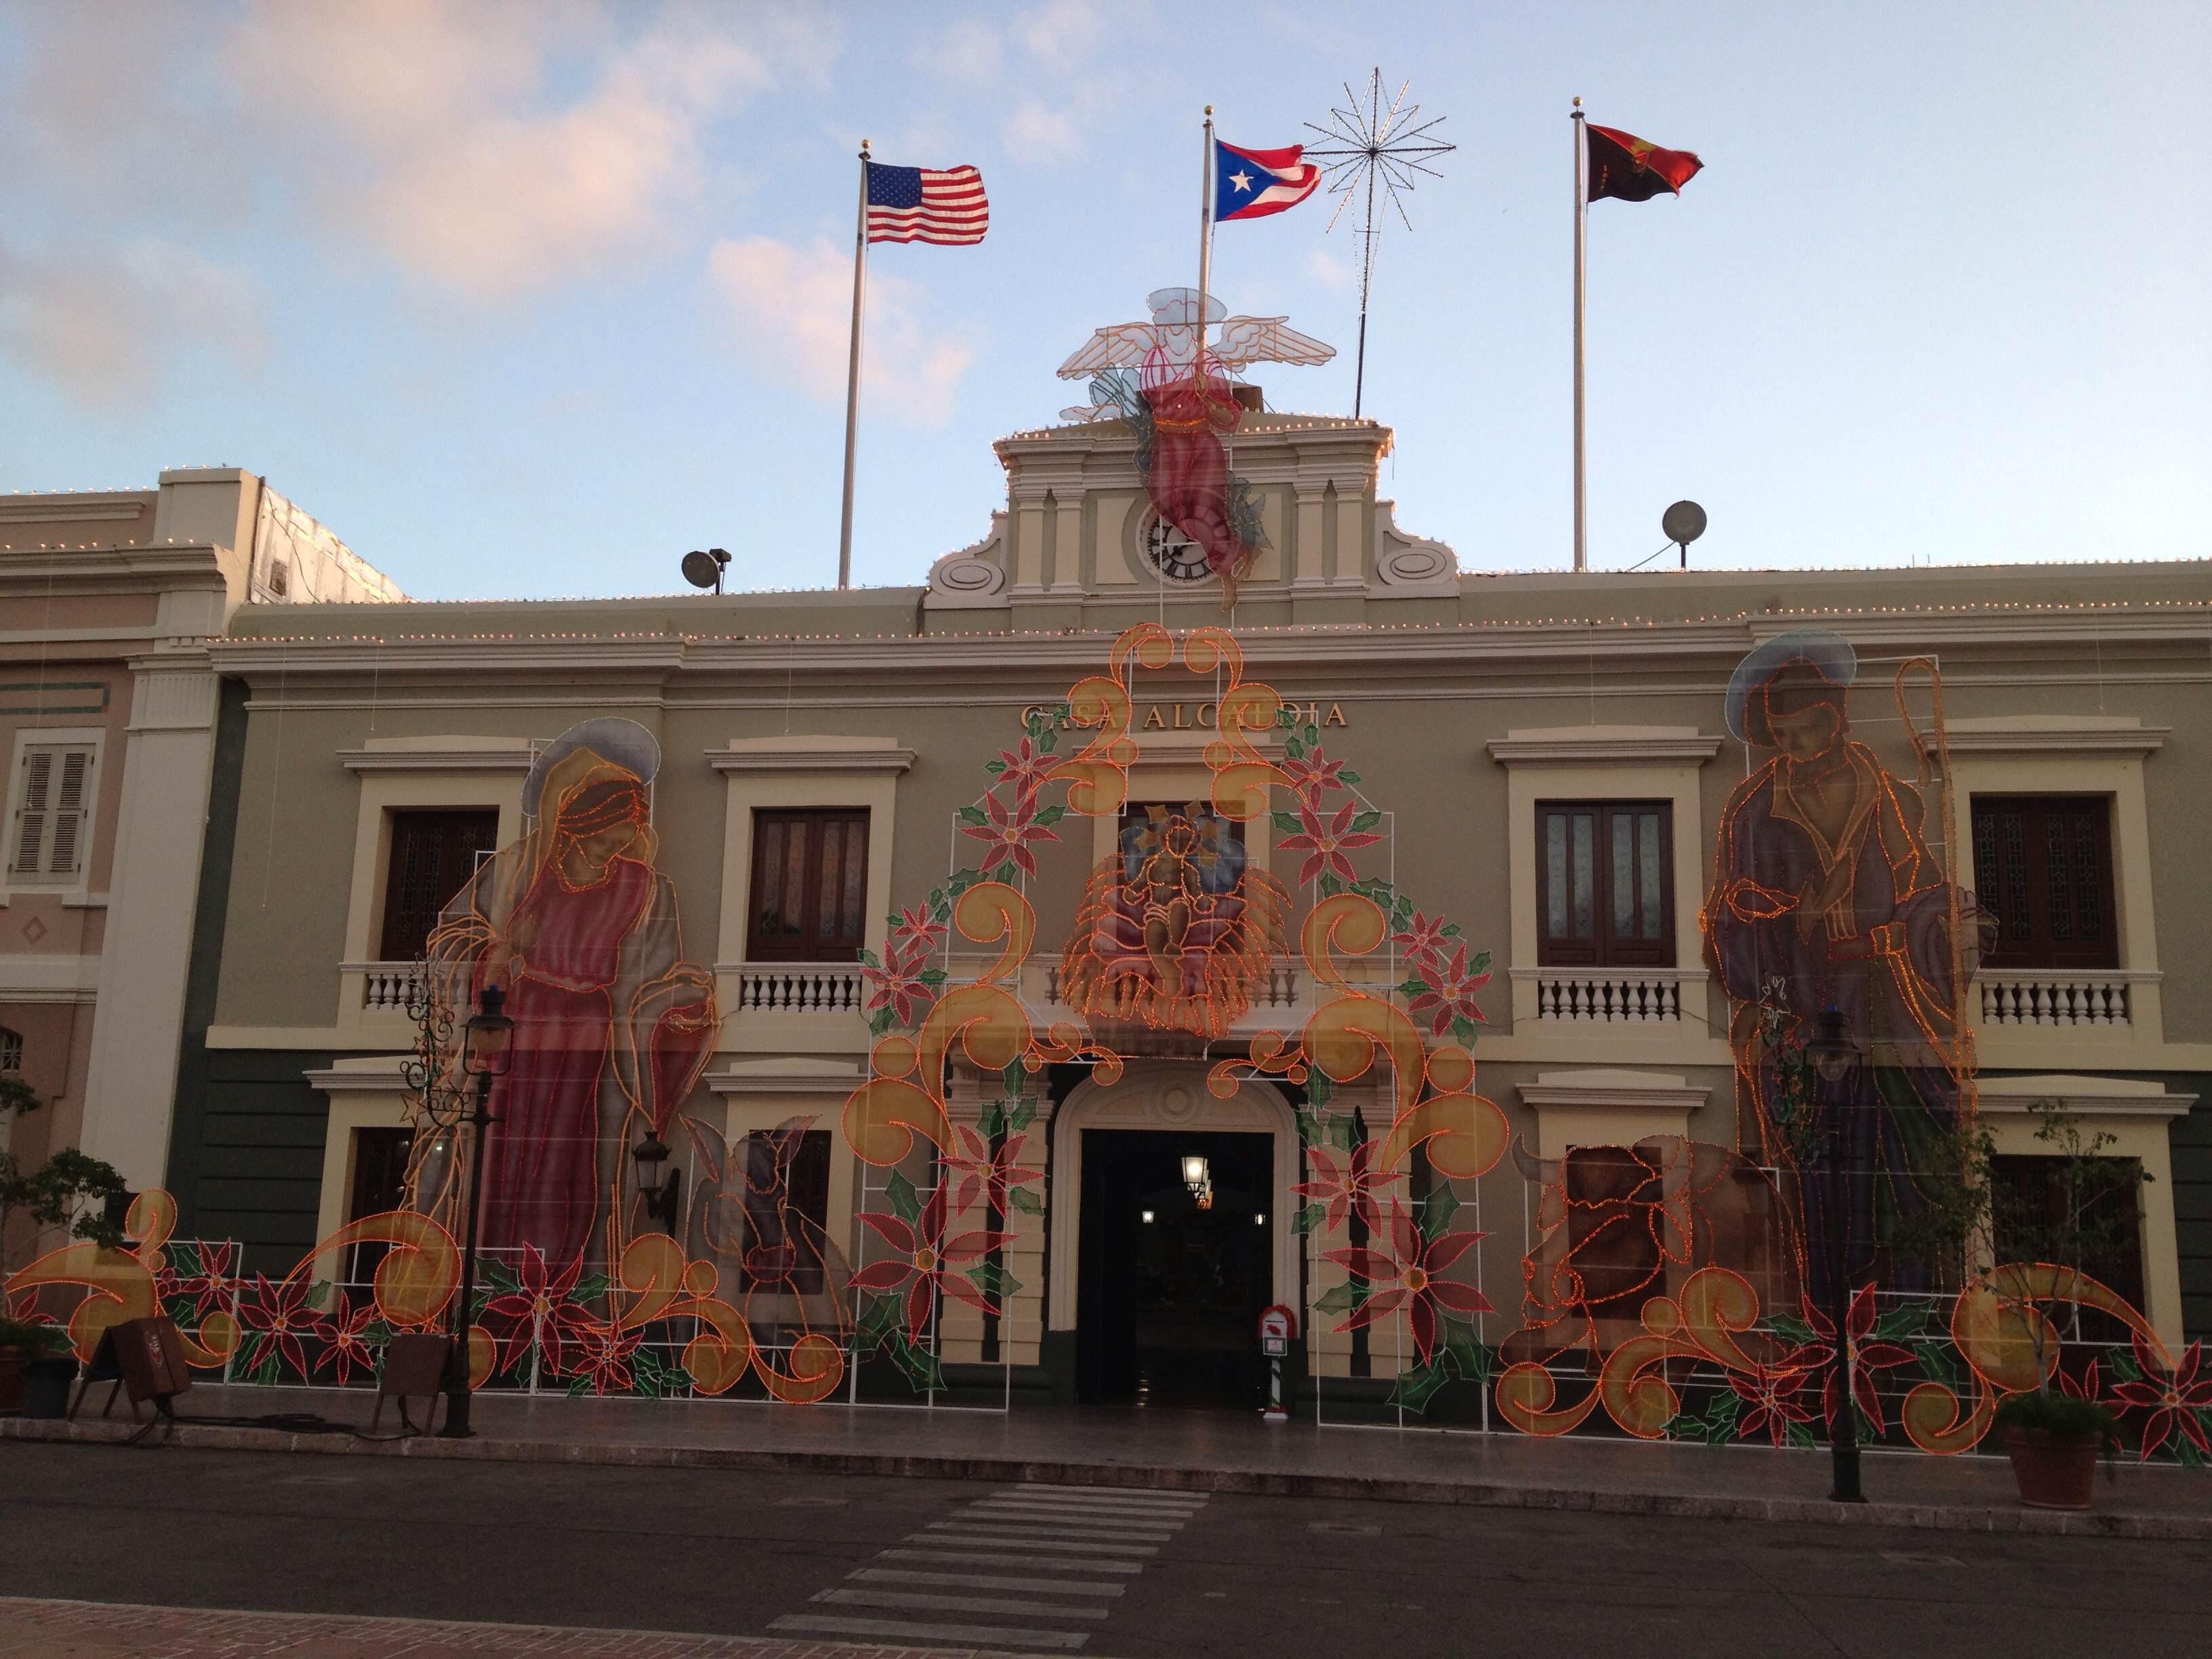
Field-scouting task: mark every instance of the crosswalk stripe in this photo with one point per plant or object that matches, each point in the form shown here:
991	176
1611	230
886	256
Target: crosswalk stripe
1007	1558
986	1635
1136	1494
1073	1517
923	1600
1007	1523
1102	1499
985	1581
945	1532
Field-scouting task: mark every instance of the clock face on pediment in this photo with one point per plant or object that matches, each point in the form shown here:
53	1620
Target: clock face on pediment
1177	557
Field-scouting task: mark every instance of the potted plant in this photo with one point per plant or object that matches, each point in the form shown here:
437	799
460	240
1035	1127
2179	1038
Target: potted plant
2053	1440
71	1191
22	1341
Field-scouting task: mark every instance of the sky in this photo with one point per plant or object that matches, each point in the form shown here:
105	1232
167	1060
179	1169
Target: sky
527	299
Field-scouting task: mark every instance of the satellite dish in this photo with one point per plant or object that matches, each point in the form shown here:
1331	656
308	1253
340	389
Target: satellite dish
704	570
1683	522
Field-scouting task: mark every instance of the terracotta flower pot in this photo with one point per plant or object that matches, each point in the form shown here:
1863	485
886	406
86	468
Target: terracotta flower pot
2053	1474
11	1379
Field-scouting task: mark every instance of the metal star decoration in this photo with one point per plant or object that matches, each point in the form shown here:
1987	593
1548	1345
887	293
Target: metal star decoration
1371	143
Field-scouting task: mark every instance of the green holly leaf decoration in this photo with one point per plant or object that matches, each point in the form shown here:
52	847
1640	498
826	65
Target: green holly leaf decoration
1294	749
992	1279
1464	1031
900	1194
919	1364
1790	1328
1907	1319
1050	815
973	815
881	1021
1344	1131
1417	1387
1437	1210
1320	1087
1367	820
1328	884
994	767
1024	1114
1287	822
1349	776
992	1121
1025	1200
1309	1218
1341	1298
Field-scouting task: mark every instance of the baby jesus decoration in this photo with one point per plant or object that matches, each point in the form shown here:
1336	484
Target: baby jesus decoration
1174	930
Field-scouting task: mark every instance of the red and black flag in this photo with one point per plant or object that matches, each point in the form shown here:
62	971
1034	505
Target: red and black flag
1633	169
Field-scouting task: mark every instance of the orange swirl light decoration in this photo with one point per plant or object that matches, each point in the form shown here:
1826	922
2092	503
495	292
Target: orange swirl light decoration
1526	1396
991	910
419	1274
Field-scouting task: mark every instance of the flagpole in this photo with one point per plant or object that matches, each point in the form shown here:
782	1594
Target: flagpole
1582	224
853	374
1205	238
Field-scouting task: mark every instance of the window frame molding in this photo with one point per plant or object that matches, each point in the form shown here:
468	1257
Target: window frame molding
1610	763
74	890
2070	754
1603	809
797	772
400	774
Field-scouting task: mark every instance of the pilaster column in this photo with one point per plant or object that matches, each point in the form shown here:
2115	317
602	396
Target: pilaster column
152	901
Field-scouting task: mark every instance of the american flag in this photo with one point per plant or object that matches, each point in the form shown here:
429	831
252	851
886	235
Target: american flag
923	204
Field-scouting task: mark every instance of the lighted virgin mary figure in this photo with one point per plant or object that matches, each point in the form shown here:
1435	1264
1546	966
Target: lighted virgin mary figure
612	1026
1826	897
1174	930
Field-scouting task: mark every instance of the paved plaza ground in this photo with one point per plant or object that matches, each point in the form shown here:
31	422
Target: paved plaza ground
777	1564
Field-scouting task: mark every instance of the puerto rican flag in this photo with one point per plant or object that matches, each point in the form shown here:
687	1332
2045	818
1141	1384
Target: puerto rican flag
1251	184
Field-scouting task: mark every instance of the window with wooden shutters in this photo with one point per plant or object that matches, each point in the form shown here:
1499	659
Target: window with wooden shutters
2043	870
52	828
434	854
809	886
1604	893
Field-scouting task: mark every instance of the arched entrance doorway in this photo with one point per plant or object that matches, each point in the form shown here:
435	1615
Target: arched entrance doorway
1160	1289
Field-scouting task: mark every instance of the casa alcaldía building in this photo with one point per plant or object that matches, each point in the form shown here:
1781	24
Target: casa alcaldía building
1035	974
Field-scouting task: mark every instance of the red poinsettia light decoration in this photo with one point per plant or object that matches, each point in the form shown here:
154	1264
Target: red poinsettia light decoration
1313	776
904	983
1770	1393
1348	1186
539	1310
1867	1358
1408	1270
2175	1398
281	1315
1325	845
926	1261
978	1172
1011	831
1447	992
1024	768
349	1349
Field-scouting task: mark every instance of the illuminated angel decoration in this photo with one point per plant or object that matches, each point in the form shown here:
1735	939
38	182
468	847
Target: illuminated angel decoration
1174	931
1827	895
1184	404
612	1027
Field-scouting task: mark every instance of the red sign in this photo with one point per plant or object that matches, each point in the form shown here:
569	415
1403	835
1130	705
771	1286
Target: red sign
1277	1326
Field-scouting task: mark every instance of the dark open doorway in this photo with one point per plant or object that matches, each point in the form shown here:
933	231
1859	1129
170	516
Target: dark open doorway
1170	1293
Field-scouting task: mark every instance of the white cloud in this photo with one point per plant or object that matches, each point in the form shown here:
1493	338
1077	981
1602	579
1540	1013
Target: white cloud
455	141
791	312
964	50
1330	272
103	324
1062	31
1037	132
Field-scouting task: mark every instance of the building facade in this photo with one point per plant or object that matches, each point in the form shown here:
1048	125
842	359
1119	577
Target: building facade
1551	765
109	702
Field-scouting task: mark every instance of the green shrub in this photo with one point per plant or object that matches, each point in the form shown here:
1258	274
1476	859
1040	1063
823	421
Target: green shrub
2062	1416
35	1339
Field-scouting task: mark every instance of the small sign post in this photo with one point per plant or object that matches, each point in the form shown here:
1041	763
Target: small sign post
1279	1327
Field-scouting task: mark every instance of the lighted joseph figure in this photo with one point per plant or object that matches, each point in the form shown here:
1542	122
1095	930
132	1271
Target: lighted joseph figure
1826	896
612	1027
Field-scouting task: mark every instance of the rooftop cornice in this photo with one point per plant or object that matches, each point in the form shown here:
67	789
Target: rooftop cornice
129	566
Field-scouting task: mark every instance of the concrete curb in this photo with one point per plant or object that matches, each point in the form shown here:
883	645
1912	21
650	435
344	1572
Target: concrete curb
1940	1517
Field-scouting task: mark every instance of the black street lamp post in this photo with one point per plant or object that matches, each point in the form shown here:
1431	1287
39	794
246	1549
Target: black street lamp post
489	1047
1838	1062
